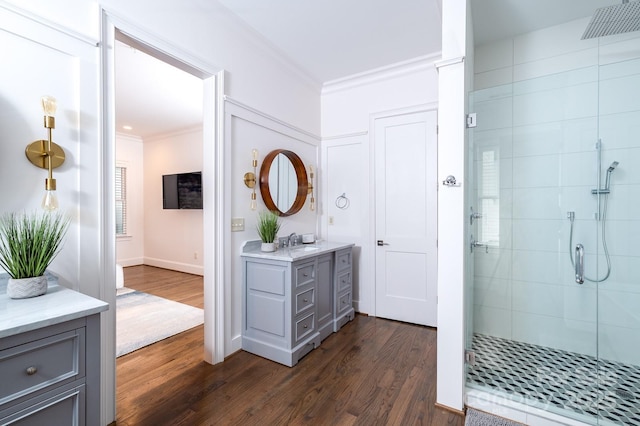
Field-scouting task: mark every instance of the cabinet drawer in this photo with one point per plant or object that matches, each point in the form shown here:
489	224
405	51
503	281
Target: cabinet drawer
61	406
40	364
344	282
305	326
305	274
305	300
343	260
344	302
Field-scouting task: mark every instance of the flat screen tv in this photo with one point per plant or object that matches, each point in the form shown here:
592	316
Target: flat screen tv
182	191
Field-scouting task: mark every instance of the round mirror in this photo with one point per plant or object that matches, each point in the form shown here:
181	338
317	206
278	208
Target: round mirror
283	182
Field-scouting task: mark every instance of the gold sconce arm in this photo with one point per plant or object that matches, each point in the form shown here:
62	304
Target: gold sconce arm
250	179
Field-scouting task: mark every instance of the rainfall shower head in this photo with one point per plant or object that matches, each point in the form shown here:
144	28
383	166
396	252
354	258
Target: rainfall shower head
616	19
612	166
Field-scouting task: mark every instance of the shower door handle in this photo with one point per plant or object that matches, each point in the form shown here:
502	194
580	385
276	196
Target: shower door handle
579	256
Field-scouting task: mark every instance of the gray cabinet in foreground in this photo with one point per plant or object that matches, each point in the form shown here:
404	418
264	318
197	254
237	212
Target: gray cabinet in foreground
291	304
50	359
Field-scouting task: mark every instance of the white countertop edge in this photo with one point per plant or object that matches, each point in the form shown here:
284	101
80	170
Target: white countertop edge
58	305
251	249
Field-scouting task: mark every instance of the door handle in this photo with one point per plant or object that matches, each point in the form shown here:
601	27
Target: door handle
382	243
579	263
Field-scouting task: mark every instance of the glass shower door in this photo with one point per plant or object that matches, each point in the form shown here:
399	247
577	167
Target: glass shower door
533	163
619	295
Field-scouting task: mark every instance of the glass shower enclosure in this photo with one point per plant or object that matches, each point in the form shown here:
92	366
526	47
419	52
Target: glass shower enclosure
553	295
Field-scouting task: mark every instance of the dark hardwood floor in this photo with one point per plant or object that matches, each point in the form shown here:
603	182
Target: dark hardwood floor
372	372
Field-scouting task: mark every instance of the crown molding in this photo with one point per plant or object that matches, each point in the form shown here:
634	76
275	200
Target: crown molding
398	69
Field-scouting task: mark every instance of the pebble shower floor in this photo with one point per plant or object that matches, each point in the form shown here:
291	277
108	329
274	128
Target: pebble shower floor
609	391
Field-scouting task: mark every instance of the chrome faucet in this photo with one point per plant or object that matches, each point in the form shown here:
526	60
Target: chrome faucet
292	242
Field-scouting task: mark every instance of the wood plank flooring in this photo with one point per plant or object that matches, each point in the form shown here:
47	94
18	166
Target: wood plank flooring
372	372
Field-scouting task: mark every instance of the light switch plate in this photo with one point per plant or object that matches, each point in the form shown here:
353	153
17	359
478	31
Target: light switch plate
237	224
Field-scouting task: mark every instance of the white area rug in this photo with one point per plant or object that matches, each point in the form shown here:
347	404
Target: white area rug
143	319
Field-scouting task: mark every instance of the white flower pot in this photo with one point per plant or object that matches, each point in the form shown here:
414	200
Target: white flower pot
24	288
268	247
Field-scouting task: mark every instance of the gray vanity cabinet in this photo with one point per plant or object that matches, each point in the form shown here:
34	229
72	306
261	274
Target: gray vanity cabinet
325	295
51	376
343	311
293	299
279	315
50	359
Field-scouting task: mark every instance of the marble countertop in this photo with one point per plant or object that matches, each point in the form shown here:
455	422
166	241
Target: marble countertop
58	305
290	254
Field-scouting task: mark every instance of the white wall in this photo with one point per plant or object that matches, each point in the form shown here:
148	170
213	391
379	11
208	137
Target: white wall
256	75
544	100
173	239
347	107
452	218
129	154
248	129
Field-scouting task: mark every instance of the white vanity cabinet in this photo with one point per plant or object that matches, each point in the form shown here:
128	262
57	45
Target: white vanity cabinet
50	359
292	299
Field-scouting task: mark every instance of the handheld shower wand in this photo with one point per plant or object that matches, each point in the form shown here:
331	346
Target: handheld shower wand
578	263
610	170
607	181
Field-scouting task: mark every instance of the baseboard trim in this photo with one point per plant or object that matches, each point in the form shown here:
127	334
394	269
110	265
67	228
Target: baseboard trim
453	410
175	266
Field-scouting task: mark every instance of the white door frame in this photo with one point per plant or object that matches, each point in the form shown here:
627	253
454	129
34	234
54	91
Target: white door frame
371	242
214	178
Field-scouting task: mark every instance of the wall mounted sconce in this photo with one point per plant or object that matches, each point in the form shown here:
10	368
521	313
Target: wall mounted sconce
46	154
250	179
312	200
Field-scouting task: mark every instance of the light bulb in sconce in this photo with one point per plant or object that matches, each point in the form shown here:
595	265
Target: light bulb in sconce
50	199
312	200
255	158
253	204
49	105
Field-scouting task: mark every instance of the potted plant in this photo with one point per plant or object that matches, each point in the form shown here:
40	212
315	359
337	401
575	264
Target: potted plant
28	244
268	227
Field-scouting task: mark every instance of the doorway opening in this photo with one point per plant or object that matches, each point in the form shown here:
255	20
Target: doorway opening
158	142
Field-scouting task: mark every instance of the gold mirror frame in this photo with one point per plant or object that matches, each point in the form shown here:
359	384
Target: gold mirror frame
301	174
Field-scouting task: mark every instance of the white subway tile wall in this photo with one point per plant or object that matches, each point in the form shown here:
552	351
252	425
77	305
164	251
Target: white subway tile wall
543	101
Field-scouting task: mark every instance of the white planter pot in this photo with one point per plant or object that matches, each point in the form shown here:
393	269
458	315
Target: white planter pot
268	247
24	288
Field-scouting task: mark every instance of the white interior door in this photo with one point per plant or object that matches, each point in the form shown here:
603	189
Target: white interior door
406	217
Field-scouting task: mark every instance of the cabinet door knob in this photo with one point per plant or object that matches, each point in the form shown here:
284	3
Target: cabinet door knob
305	300
305	275
305	326
32	370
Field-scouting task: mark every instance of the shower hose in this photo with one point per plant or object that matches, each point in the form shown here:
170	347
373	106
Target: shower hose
604	244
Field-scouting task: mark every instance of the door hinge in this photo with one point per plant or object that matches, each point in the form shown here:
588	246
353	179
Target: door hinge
470	358
471	120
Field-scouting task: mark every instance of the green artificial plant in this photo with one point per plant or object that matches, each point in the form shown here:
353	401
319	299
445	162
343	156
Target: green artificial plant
30	242
268	226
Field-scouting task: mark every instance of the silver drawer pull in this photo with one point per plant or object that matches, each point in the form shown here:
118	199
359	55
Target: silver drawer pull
305	300
32	370
305	275
344	281
344	301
